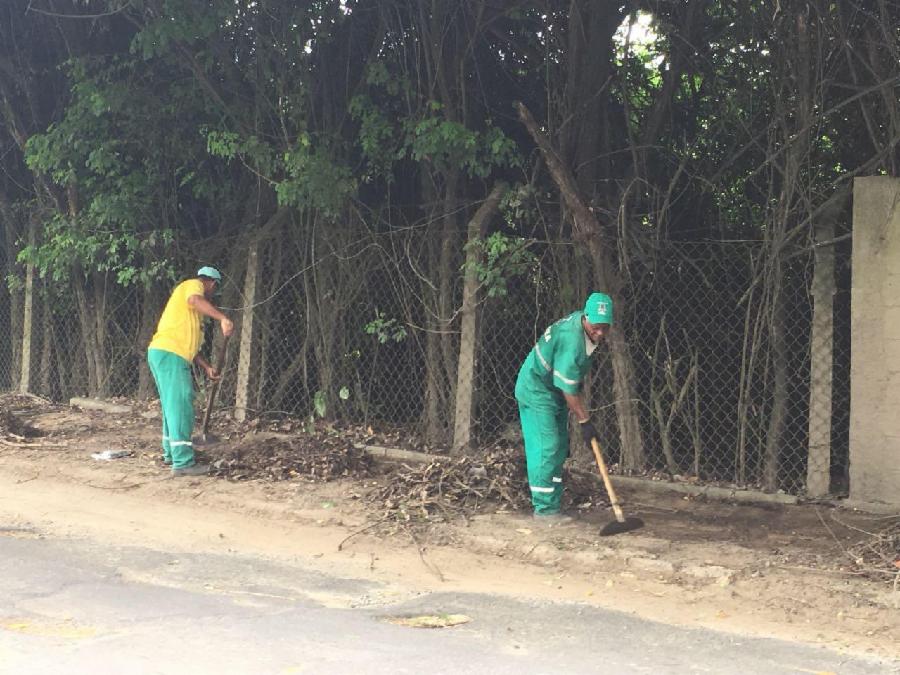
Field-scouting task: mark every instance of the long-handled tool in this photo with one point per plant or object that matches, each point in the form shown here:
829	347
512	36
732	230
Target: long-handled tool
621	524
214	388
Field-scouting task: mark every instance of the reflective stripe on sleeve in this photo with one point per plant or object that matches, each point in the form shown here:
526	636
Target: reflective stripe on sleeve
565	379
537	349
556	373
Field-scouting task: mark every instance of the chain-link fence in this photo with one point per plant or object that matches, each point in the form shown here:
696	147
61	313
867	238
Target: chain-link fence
736	377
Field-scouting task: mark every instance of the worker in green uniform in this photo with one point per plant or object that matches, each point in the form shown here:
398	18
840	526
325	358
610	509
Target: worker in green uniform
549	386
175	345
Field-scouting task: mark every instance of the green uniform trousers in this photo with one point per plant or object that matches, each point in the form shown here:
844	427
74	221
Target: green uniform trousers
176	398
546	435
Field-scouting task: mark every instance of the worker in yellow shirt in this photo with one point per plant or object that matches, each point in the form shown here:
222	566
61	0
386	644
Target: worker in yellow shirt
175	345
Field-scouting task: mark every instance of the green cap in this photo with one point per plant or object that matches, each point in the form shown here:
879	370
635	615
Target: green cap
210	272
599	308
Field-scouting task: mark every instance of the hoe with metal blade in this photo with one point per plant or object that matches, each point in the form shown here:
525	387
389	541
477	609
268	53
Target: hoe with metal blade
213	390
621	524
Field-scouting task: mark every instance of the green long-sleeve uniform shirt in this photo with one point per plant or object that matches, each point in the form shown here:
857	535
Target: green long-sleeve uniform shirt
557	364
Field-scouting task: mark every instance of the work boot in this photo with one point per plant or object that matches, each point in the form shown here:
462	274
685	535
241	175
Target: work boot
554	519
192	470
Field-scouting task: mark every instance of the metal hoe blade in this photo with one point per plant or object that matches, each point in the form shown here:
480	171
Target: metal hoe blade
615	527
621	524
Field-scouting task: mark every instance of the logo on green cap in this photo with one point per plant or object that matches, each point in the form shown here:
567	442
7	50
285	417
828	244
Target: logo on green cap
599	308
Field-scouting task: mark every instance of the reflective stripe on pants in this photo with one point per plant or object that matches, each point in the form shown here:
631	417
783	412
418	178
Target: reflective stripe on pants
546	437
172	374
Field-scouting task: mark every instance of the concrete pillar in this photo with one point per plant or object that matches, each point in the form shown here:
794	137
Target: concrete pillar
242	390
28	314
821	370
468	342
875	335
27	332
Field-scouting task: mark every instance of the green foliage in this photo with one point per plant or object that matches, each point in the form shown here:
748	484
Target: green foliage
252	150
314	179
179	115
385	329
100	155
501	258
14	282
518	207
226	144
305	176
67	242
377	137
320	403
449	145
180	22
388	133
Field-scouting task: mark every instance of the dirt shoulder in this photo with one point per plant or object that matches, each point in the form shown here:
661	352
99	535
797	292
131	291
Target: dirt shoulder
776	570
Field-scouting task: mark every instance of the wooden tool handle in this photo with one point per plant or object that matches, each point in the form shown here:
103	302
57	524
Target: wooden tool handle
595	446
214	389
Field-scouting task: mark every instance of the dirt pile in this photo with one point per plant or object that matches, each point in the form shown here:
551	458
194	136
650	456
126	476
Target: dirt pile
314	457
451	488
229	429
491	480
12	407
878	556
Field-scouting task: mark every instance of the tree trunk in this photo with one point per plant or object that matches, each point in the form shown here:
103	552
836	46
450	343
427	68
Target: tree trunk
323	347
65	368
625	391
435	392
90	297
468	340
794	126
150	311
264	315
13	268
434	412
45	369
588	232
665	433
447	275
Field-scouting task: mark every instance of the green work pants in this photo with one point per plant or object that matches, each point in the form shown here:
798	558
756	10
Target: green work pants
546	435
176	399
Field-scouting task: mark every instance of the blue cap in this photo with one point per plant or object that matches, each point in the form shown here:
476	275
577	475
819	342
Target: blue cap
210	272
599	308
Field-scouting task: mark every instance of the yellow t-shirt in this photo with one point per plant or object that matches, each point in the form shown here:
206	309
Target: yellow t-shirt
179	329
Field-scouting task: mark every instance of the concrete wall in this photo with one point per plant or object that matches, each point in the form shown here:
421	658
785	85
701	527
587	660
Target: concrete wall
875	369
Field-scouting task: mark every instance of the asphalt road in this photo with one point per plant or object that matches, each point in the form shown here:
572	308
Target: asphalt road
79	607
